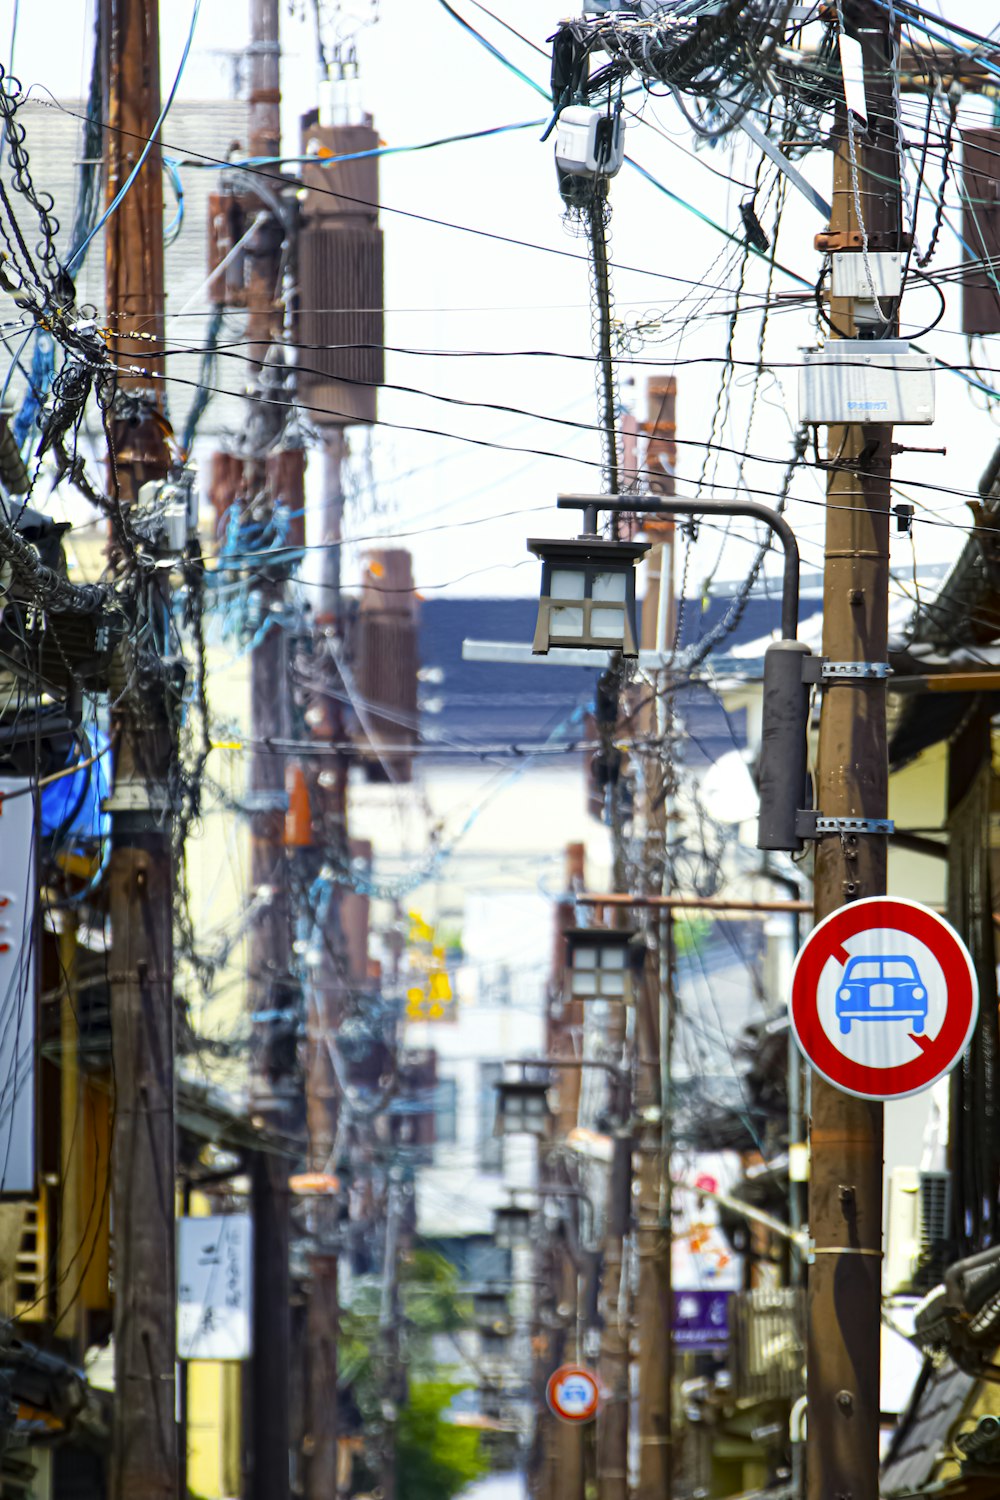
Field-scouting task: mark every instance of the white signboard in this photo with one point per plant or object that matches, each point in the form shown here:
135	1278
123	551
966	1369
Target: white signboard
214	1288
18	993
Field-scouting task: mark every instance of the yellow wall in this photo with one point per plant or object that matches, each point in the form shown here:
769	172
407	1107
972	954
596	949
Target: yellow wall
218	867
214	1430
917	796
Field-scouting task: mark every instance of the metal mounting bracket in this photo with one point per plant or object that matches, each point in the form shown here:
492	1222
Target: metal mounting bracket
816	669
812	825
265	801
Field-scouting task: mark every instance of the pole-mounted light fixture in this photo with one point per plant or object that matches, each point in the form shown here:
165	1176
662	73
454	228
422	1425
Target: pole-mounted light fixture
522	1107
588	594
588	599
601	963
512	1226
491	1312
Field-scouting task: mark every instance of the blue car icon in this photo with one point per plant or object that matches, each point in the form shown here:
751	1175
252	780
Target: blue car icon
881	989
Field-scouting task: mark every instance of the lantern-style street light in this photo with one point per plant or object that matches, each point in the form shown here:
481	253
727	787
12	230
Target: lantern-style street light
588	581
512	1226
522	1107
588	594
602	963
490	1310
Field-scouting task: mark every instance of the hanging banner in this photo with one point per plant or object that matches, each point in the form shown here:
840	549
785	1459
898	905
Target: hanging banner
214	1288
18	988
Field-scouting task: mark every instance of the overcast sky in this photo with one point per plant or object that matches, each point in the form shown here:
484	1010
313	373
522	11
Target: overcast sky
424	77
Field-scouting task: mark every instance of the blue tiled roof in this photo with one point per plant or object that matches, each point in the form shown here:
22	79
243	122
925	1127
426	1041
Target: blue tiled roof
486	703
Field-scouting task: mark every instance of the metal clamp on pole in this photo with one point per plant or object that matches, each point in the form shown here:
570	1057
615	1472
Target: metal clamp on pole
816	671
812	825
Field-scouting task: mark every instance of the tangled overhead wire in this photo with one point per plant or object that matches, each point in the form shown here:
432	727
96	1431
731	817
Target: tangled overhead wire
727	58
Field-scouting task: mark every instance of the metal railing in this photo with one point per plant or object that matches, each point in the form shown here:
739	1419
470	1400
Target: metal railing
767	1344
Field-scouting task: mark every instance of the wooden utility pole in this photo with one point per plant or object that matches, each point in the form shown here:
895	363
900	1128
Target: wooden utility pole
654	1296
271	990
327	998
845	1190
562	1467
140	881
613	1365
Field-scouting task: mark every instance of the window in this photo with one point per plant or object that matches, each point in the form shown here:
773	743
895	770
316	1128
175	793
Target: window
446	1112
490	1145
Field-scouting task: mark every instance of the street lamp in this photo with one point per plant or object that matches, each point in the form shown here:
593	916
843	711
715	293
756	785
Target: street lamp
522	1107
588	594
512	1227
489	1308
588	599
601	963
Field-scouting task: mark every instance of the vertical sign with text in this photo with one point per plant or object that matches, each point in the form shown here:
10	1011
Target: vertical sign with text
214	1289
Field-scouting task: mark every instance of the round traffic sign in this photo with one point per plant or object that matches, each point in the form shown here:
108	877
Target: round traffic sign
573	1393
884	997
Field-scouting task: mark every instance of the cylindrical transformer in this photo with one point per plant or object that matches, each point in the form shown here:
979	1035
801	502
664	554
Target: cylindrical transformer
784	746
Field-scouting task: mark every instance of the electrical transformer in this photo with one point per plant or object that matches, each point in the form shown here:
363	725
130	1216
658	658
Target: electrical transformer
385	666
340	321
981	229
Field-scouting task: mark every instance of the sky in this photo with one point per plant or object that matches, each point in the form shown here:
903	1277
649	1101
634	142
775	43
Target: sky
467	302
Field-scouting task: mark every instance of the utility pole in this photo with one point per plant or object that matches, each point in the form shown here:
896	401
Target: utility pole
270	989
654	1239
562	1451
339	263
613	1365
654	1243
323	1017
140	882
845	1191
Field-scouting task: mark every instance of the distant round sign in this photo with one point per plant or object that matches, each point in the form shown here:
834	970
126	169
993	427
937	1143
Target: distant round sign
573	1393
884	997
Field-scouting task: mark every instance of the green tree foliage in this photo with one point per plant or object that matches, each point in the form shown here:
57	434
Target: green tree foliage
430	1302
435	1458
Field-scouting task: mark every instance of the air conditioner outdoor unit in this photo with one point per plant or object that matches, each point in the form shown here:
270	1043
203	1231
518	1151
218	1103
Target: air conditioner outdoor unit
917	1230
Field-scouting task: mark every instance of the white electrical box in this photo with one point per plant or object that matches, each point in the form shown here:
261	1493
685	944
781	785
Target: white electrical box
867	380
851	275
589	142
167	513
902	1230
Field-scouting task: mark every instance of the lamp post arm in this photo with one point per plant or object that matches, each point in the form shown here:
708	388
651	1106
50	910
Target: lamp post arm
635	504
555	1190
618	1074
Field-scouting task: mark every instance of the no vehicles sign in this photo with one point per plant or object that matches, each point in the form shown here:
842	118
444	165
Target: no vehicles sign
884	998
573	1393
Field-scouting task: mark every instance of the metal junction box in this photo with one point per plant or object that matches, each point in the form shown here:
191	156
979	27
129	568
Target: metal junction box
851	274
589	142
861	380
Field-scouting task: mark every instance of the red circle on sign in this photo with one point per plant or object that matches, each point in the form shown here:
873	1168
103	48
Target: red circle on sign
584	1412
937	1054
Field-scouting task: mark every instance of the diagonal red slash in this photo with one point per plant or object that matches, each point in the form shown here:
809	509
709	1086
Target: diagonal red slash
923	1042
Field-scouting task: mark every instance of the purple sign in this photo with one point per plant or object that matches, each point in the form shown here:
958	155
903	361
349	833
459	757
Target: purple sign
701	1319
